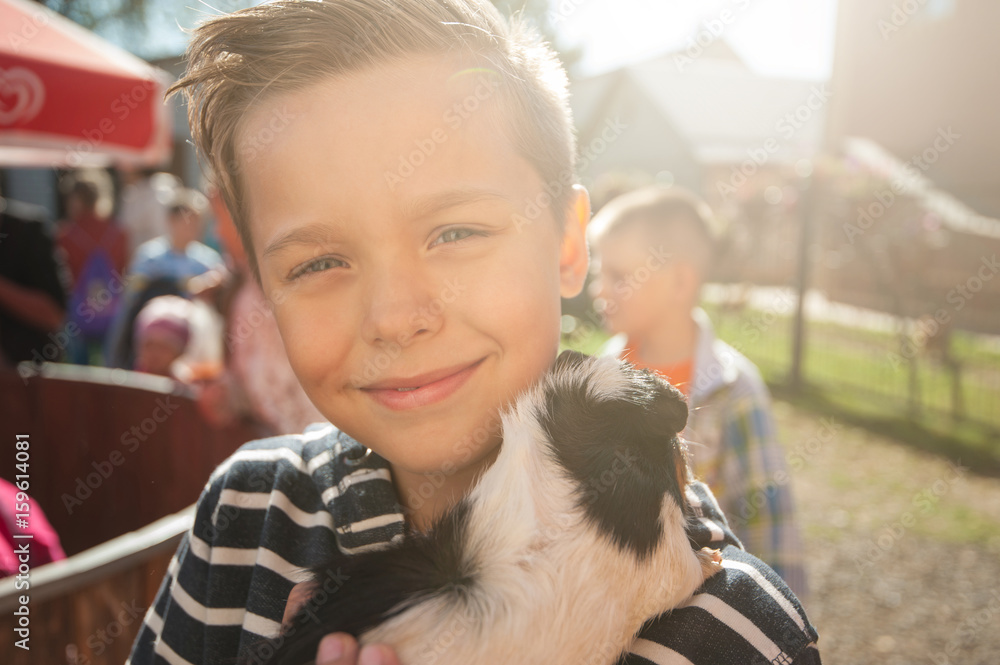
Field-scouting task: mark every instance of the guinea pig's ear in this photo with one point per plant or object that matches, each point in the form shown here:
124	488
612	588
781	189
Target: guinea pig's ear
569	359
668	404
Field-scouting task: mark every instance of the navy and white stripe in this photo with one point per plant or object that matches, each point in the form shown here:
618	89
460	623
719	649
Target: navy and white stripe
278	506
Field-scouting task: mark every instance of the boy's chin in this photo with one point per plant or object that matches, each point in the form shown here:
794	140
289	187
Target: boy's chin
444	464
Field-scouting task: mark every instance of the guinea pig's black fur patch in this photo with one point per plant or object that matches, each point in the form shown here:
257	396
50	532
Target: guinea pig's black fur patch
622	452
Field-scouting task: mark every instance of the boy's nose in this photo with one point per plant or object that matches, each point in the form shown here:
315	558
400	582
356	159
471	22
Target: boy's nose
401	306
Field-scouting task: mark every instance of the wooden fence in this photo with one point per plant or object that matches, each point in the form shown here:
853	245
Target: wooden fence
116	461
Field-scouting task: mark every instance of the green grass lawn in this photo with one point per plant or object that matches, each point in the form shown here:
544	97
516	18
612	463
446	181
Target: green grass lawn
864	377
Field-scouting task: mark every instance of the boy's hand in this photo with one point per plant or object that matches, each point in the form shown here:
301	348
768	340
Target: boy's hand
338	648
342	649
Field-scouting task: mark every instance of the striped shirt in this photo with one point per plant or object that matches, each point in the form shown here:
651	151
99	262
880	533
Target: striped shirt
278	505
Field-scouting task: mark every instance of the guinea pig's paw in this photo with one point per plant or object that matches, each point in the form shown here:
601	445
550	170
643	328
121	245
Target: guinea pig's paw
297	599
711	561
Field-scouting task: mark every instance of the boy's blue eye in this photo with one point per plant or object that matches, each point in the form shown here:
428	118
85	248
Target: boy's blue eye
317	265
454	235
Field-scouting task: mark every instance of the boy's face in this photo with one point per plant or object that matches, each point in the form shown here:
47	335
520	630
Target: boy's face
637	280
389	223
155	355
184	226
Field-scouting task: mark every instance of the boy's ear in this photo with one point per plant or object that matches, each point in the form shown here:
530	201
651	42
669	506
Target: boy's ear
574	260
687	282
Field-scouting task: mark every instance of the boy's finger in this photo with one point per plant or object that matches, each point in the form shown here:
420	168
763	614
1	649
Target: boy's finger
377	654
337	648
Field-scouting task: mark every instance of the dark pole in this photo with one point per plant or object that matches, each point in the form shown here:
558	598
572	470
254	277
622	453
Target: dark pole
806	201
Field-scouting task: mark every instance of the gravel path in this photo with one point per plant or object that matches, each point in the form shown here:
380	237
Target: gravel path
903	548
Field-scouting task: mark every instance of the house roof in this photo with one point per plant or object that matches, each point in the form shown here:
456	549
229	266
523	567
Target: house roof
721	107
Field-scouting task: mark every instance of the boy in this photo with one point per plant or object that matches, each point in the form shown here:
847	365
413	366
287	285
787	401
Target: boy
179	254
655	247
400	174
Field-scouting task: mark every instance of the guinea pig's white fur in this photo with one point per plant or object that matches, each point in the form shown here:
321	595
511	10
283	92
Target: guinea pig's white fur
541	578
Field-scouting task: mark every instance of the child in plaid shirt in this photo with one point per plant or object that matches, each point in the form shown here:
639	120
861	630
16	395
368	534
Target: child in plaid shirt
655	247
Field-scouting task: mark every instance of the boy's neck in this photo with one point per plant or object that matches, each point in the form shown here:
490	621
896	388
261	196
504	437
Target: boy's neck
178	246
425	497
672	341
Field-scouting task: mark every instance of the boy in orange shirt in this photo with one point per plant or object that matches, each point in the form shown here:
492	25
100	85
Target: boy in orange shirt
655	246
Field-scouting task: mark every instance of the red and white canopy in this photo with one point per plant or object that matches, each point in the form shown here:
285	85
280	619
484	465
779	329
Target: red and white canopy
69	98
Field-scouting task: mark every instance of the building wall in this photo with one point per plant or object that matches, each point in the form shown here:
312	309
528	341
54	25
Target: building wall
906	70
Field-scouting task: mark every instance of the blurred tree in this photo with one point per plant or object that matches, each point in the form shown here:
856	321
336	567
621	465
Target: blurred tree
129	22
93	14
541	14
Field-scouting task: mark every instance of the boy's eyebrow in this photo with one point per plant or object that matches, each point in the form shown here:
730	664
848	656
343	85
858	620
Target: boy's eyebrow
312	234
451	199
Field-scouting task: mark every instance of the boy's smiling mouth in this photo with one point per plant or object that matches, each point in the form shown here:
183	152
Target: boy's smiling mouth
399	393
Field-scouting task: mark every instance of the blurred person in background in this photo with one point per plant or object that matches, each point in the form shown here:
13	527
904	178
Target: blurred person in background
162	332
33	286
95	250
179	254
655	246
45	545
177	263
145	196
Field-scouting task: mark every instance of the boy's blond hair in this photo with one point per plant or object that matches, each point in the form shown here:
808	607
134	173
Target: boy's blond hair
674	214
237	60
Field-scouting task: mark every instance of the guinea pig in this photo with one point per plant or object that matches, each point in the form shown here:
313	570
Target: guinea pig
568	543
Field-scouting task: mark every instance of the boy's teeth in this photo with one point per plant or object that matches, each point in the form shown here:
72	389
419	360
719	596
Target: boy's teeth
407	389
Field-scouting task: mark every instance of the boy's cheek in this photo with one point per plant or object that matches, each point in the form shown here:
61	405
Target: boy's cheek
313	342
